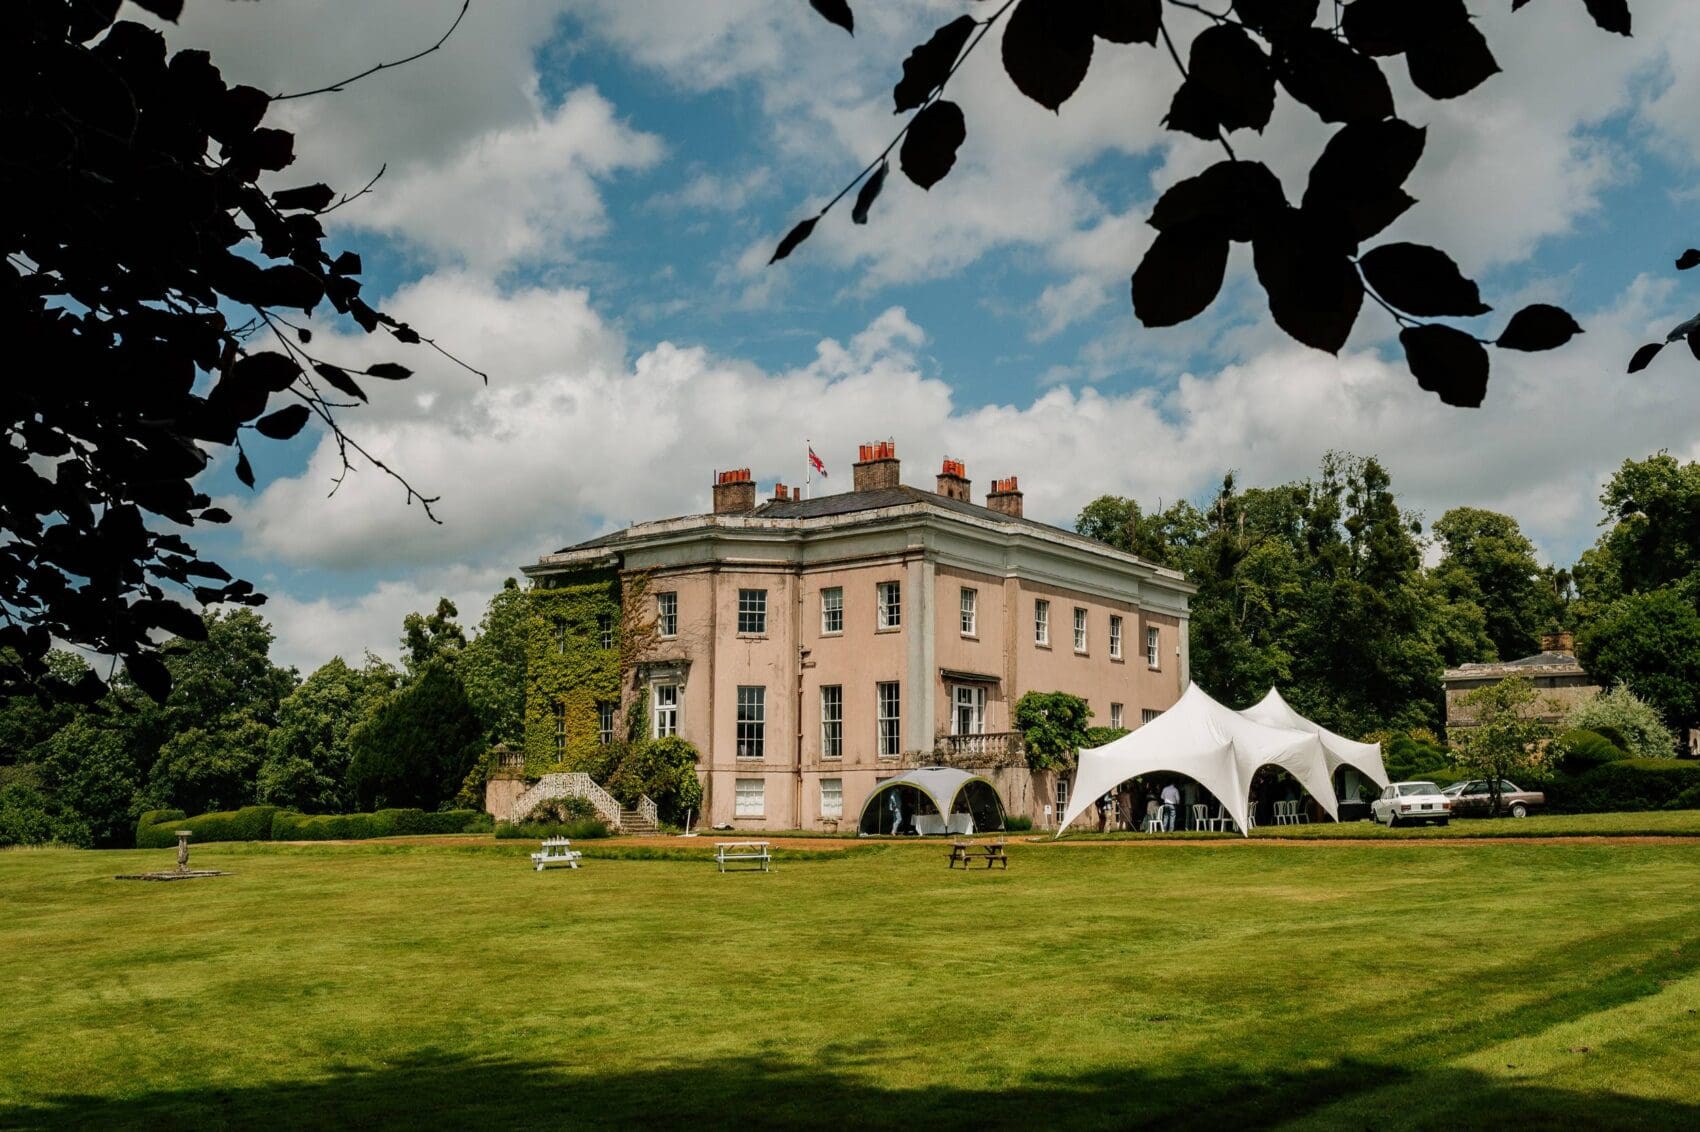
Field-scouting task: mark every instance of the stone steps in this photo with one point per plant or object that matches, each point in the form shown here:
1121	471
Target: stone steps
633	822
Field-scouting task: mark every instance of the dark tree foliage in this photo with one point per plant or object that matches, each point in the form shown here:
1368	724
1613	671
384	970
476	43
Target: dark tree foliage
1308	250
416	747
1688	331
146	300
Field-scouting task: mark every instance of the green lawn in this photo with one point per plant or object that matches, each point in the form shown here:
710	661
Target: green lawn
1654	823
1344	986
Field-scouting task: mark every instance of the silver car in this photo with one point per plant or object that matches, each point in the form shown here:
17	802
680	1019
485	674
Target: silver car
1411	802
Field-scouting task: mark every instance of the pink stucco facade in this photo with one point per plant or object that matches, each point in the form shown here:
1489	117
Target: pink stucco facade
862	618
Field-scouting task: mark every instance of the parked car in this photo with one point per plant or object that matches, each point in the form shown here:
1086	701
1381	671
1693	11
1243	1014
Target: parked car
1474	799
1403	802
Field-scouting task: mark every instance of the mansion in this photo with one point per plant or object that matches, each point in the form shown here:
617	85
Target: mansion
810	648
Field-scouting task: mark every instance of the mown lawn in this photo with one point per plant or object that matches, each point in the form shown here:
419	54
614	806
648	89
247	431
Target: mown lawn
1654	823
1348	986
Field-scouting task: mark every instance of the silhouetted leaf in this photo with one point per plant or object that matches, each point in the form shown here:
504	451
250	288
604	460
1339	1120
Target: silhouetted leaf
1360	171
303	335
786	246
1047	48
287	285
929	148
1229	85
338	378
1644	356
836	12
150	674
1335	81
1238	198
270	371
1129	21
1539	326
869	193
1313	288
1684	329
1448	363
1612	15
1421	280
178	620
284	423
164	9
1688	259
389	371
1180	275
313	198
1391	27
214	515
929	64
1446	66
1694	344
88	18
244	470
1276	17
347	263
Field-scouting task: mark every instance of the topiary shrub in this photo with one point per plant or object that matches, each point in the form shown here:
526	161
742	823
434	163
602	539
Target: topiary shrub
1628	786
1578	751
1016	824
1628	721
1409	757
250	823
555	811
383	823
588	829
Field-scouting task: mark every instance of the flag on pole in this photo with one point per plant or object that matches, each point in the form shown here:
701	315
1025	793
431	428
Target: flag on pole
815	463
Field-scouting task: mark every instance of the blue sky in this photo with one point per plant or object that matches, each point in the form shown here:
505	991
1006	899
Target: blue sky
581	196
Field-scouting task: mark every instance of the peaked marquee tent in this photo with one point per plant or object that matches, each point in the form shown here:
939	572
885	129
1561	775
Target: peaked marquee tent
1365	758
1214	745
961	802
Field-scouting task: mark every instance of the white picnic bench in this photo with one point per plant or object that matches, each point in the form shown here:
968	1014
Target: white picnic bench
556	851
755	852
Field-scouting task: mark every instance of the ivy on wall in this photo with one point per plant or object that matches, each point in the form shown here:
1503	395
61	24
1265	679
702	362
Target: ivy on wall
567	665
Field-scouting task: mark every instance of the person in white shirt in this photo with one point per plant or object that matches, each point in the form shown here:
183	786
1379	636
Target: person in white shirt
1171	807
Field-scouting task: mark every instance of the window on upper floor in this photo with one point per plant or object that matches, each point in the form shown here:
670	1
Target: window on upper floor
890	599
832	721
605	724
752	611
752	722
665	710
1041	622
968	715
667	614
1115	637
560	730
832	609
1079	629
889	697
1153	640
970	599
605	630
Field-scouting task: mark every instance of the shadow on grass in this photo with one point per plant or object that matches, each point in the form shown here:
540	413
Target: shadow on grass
440	1091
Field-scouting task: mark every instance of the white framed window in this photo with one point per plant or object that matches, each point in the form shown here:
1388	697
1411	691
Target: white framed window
1079	629
752	722
1115	636
1115	715
605	724
667	614
832	797
560	636
970	599
1062	796
751	794
664	701
832	721
752	611
1152	640
1146	715
968	710
1042	622
889	597
605	630
832	609
889	695
560	731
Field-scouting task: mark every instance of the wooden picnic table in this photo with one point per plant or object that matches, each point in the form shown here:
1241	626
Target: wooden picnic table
757	853
967	852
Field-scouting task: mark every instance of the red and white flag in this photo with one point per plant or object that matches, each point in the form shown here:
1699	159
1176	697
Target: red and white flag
814	462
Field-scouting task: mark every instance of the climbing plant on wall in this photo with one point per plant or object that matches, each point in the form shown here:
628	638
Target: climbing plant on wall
573	665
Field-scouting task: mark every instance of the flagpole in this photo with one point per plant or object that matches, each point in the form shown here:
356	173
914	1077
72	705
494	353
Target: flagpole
808	468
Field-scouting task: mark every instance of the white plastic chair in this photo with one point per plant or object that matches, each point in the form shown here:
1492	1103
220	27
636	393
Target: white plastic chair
1284	813
1200	816
1154	822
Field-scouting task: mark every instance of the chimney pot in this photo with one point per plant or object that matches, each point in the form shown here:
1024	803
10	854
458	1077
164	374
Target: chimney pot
1560	642
876	467
734	492
1005	497
953	480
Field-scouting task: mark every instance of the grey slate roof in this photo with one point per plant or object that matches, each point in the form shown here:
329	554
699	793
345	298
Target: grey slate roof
1542	660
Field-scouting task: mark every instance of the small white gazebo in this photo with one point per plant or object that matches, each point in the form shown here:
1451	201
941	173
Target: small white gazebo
933	800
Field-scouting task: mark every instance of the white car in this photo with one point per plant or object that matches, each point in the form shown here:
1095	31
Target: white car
1411	802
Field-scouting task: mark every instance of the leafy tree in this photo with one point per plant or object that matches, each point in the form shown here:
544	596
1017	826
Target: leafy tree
431	637
1652	507
1308	253
27	721
417	746
206	769
1457	626
140	254
29	815
493	665
91	770
1650	642
665	769
1053	727
1118	521
1508	733
1626	720
307	753
1486	561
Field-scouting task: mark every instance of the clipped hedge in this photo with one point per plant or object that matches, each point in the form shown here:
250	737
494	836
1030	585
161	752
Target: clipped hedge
1629	786
580	829
157	829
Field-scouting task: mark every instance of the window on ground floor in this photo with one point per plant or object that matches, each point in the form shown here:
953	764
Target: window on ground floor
752	797
832	797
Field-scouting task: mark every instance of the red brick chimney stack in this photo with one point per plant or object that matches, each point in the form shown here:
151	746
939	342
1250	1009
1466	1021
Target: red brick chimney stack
782	494
876	466
953	480
1005	497
734	492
